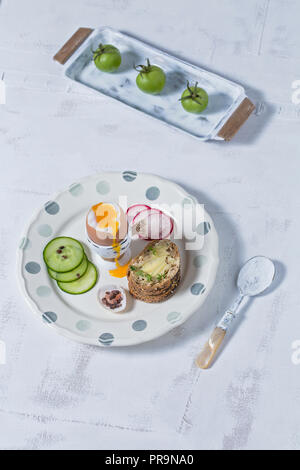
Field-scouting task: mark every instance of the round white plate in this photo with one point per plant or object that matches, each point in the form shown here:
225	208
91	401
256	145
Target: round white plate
81	317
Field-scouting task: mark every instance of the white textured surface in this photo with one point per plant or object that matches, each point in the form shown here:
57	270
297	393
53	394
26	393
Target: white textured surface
58	394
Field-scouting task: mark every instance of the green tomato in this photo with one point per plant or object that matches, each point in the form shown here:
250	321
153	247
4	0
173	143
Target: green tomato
107	58
194	99
151	79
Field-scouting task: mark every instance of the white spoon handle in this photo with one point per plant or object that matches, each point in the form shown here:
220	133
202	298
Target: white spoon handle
205	358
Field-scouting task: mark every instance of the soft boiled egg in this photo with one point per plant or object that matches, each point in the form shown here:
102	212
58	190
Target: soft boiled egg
106	224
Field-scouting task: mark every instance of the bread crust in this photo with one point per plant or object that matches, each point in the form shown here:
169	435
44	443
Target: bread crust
155	293
154	298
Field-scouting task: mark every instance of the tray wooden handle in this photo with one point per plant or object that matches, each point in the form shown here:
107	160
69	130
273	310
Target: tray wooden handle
237	119
72	44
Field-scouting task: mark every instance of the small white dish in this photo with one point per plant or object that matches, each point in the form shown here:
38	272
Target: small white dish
110	288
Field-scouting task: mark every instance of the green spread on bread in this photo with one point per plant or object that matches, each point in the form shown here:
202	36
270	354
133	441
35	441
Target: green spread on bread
154	274
155	263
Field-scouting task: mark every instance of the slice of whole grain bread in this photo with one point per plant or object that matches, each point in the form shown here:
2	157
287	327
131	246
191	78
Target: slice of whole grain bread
157	288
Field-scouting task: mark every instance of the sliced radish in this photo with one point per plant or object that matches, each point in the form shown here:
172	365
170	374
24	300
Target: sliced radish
152	225
135	209
160	226
144	213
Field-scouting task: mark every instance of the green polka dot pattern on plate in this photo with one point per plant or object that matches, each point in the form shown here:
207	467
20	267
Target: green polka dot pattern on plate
43	291
76	189
44	230
199	261
24	243
152	193
197	288
129	176
203	228
51	207
106	339
103	187
139	325
186	201
173	317
83	325
32	267
49	317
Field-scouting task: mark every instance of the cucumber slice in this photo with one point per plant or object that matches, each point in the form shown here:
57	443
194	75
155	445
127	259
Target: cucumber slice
70	276
63	254
82	285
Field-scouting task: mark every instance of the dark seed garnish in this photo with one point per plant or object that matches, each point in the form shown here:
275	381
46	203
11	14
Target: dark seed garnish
77	275
58	251
65	257
61	247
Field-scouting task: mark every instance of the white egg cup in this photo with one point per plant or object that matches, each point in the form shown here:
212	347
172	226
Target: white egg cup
109	253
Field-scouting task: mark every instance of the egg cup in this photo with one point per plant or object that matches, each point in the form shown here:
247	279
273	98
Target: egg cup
110	253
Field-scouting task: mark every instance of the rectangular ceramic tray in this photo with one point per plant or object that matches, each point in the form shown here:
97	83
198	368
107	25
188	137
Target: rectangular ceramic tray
228	106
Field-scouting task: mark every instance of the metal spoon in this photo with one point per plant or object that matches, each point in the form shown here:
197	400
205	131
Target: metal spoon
254	277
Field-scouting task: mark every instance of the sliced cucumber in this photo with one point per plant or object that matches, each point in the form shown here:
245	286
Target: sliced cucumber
82	285
63	254
70	276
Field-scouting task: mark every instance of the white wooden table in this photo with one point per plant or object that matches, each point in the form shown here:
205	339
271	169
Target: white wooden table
58	394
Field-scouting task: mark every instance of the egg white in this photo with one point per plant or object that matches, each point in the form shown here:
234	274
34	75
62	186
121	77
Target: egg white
92	222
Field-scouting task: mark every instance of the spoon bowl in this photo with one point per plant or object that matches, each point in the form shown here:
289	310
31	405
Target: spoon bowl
256	276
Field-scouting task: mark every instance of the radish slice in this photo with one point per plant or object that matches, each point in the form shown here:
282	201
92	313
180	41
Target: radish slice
143	214
153	225
132	211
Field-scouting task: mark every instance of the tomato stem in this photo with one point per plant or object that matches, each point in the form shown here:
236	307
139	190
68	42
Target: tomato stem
143	68
193	94
101	49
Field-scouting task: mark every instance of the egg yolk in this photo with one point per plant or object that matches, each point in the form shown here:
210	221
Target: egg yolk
106	217
119	271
